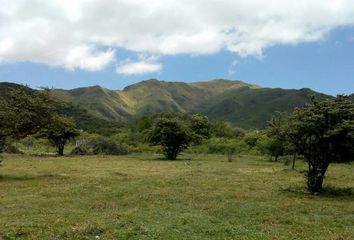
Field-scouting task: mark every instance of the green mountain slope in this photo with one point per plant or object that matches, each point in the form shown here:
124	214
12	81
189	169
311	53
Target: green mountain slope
146	97
252	108
245	105
99	102
82	118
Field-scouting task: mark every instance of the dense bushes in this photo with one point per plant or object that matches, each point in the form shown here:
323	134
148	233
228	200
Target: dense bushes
99	146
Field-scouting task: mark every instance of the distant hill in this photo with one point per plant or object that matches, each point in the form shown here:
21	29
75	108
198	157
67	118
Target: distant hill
83	119
245	105
252	108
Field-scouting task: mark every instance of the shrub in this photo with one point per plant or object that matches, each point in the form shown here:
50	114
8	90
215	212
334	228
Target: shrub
9	148
100	146
107	146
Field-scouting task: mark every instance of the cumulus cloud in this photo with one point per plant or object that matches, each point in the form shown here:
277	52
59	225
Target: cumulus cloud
142	66
86	35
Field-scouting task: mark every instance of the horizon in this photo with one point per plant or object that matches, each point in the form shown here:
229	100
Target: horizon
275	44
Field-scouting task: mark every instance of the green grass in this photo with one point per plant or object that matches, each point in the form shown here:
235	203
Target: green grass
142	197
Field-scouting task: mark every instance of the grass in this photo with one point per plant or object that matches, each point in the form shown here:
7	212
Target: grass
143	197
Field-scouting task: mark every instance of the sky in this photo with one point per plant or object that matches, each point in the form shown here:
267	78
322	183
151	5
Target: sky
115	43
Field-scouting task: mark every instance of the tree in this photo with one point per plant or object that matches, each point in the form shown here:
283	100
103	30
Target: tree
23	112
272	146
222	128
201	127
172	134
323	133
277	143
60	130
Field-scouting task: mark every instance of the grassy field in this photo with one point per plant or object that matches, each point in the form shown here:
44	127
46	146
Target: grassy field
144	197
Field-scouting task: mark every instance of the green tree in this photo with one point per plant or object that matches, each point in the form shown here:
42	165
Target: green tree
60	130
172	134
277	143
23	112
323	133
275	148
251	138
201	127
222	128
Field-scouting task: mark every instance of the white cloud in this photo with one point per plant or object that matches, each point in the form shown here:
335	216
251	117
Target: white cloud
142	66
232	68
85	34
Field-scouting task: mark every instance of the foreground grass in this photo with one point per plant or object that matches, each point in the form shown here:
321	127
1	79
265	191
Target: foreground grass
142	197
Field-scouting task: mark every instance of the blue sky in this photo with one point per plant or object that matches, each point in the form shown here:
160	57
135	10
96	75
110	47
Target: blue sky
320	57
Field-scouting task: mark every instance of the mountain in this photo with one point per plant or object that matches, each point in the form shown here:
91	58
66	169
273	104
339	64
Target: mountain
250	108
82	118
146	97
245	105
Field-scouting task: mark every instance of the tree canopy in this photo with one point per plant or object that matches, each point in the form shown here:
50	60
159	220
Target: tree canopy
59	130
323	133
172	134
23	112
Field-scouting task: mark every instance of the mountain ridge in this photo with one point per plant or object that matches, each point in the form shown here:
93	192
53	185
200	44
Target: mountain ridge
243	104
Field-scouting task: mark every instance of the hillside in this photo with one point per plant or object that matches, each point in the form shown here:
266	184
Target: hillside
250	108
82	118
243	104
146	97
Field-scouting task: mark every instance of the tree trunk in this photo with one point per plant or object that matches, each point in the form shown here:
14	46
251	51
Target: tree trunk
61	149
294	159
171	153
230	154
315	178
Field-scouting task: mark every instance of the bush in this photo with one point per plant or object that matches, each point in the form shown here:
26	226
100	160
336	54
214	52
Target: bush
82	149
100	146
9	148
107	146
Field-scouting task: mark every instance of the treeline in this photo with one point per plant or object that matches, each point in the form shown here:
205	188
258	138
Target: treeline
34	118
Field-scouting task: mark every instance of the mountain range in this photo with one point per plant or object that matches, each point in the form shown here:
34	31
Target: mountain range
242	104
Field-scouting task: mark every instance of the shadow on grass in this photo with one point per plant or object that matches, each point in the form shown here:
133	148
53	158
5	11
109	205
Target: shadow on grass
160	157
27	177
328	191
169	160
332	191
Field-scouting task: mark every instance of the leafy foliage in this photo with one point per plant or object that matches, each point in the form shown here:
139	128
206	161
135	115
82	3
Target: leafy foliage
59	130
323	133
172	134
100	145
23	112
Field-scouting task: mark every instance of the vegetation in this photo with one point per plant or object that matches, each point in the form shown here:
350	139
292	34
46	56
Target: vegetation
172	134
23	113
58	131
98	146
198	197
323	133
243	105
36	125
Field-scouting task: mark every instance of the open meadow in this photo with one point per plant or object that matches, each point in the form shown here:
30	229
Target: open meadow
145	197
